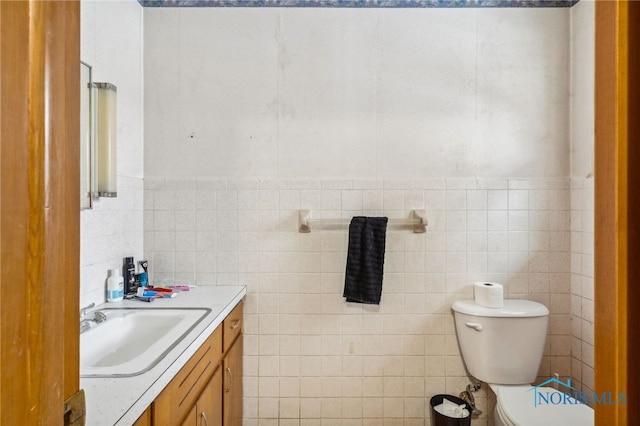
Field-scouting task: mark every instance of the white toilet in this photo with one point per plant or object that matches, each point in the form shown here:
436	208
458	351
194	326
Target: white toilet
503	347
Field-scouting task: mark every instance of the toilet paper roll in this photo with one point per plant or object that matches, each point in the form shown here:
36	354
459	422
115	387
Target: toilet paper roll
489	295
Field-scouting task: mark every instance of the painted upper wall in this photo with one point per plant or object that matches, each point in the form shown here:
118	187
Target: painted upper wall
356	93
582	89
358	3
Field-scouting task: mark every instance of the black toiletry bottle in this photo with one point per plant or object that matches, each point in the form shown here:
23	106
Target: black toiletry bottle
129	274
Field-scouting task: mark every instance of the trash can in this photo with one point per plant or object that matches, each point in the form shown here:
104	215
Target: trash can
440	419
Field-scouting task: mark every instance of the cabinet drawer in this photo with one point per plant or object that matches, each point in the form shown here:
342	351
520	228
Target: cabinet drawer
232	326
172	405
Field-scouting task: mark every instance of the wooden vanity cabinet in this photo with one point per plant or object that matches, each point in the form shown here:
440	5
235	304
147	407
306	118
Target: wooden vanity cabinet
232	396
179	397
232	365
209	405
197	395
232	327
208	408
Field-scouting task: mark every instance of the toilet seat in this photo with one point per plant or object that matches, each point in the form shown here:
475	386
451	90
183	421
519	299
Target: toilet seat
515	406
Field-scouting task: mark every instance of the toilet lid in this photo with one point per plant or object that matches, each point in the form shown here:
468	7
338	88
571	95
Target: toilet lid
520	406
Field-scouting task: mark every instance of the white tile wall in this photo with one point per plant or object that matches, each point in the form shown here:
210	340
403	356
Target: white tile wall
109	232
310	358
582	283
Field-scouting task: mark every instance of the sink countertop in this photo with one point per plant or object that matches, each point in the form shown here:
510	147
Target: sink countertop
121	400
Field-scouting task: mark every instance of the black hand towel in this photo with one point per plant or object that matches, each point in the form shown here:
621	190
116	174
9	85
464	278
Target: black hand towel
365	259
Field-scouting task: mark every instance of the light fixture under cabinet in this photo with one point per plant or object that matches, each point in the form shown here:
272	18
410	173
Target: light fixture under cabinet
105	95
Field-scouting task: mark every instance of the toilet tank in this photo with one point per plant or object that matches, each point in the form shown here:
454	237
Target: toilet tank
504	345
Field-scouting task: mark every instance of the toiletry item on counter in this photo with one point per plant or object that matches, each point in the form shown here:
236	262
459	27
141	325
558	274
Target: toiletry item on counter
164	292
139	298
180	287
158	292
144	275
141	279
115	286
129	274
167	295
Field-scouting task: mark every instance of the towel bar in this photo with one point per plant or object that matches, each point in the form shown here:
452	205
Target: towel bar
417	223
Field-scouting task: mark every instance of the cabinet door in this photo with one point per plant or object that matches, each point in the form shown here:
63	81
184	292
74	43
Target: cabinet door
232	364
190	420
209	404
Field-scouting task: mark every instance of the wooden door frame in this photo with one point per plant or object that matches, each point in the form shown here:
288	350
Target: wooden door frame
617	212
39	209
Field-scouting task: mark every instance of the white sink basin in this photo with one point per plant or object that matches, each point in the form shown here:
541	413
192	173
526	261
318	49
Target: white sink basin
133	340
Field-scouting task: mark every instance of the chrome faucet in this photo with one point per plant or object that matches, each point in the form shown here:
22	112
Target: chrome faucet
84	310
96	317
